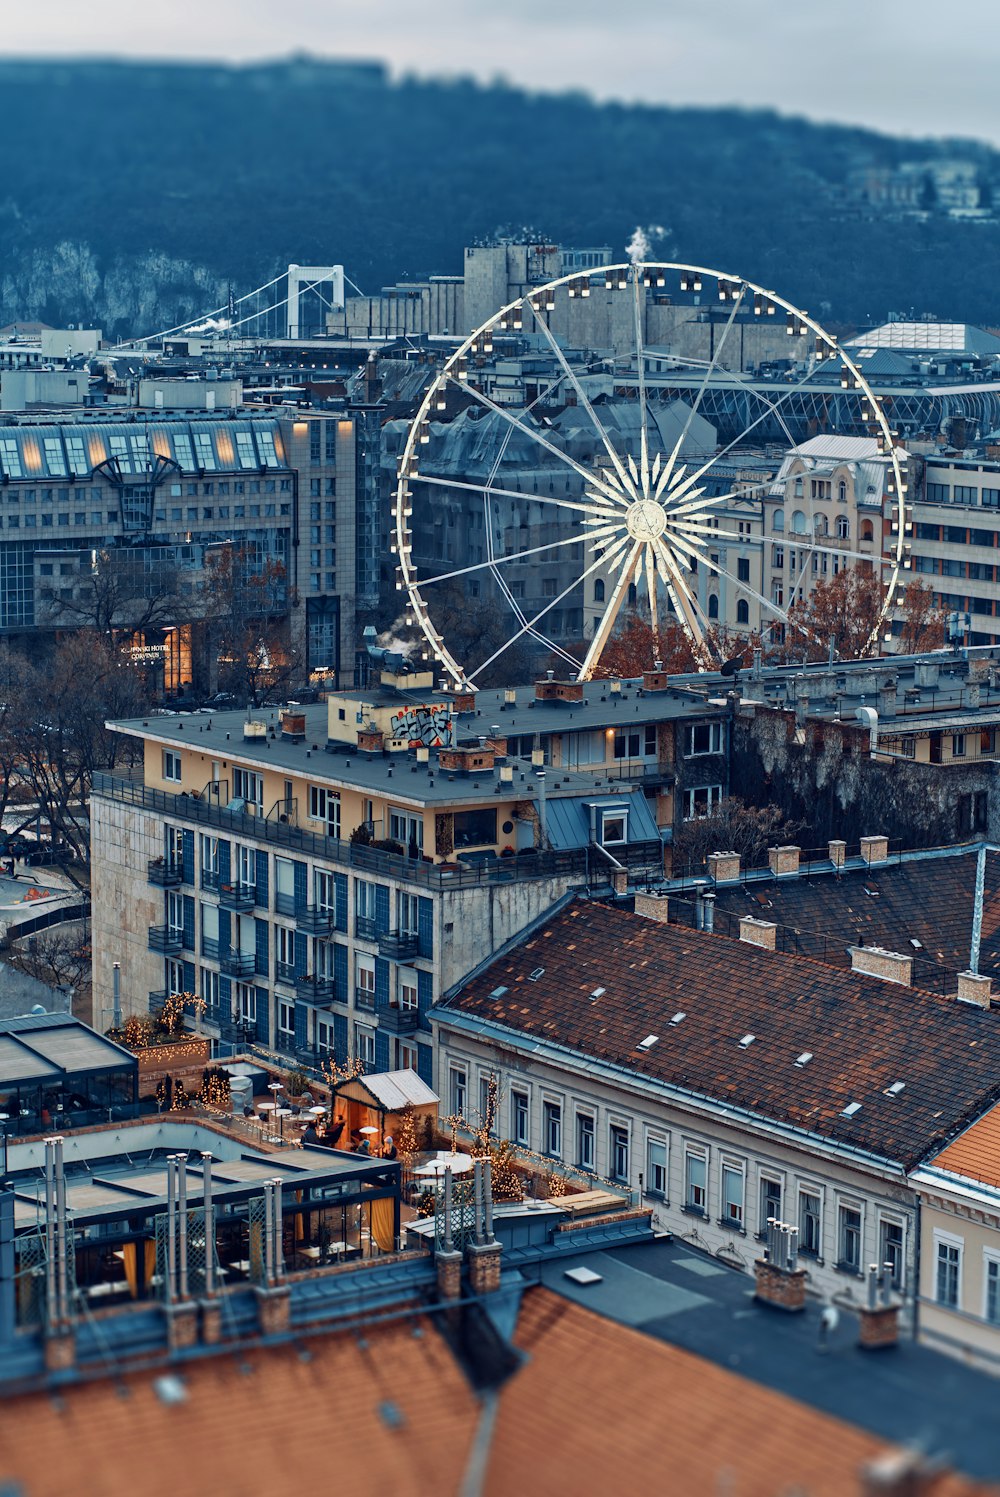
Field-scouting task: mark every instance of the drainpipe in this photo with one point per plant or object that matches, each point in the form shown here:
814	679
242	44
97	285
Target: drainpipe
182	1225
543	820
116	1012
62	1286
171	1228
209	1207
50	1230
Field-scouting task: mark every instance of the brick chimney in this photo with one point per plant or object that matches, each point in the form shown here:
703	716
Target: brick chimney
875	849
879	1327
724	867
838	853
758	932
654	906
973	987
484	1252
778	1280
784	861
891	966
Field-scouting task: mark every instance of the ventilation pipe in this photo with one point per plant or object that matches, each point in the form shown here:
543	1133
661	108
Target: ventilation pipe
708	905
869	717
116	1012
209	1207
543	820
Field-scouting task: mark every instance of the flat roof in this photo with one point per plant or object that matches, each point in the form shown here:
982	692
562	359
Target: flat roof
50	1046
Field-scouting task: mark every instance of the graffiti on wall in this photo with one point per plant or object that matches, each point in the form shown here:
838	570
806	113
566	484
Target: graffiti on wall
428	727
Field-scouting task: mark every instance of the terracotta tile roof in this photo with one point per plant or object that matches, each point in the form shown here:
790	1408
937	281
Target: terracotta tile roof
863	1034
929	900
262	1420
976	1152
668	1421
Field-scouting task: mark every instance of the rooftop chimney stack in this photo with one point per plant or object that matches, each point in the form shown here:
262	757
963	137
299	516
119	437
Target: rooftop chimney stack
778	1279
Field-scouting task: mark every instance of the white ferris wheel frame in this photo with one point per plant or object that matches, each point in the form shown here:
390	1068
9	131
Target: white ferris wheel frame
628	489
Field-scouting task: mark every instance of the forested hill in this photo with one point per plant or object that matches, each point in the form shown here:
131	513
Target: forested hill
132	193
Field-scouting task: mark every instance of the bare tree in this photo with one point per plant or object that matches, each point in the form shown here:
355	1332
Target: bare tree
245	607
124	591
733	826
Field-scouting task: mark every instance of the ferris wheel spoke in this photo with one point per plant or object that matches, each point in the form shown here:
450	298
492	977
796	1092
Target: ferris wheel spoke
638	305
530	625
603	631
589	477
603	511
581	394
500	560
709	371
685	603
654	611
743	587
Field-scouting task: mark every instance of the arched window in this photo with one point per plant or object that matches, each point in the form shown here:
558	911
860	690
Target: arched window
599	591
843	528
820	525
798	488
713	606
867	530
743	612
842	491
798	522
778	523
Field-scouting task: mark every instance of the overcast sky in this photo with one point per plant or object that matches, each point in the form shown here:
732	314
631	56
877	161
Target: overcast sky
913	67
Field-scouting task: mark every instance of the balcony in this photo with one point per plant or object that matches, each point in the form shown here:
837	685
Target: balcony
210	948
285	972
240	898
398	945
210	878
365	998
319	991
237	963
284	904
165	873
365	928
167	939
399	1020
314	922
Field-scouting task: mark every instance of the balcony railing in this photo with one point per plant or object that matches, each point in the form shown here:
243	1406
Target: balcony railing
284	972
210	948
399	1020
314	922
579	865
210	878
318	991
364	998
284	904
399	945
165	873
237	963
365	928
167	939
241	898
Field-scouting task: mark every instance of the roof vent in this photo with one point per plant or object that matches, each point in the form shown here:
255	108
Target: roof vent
851	1109
804	1059
747	1041
917	945
597	993
895	1089
391	1415
648	1042
534	976
679	1017
169	1389
498	992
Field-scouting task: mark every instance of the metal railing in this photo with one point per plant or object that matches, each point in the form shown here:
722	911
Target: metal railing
241	898
167	939
314	921
318	990
399	945
237	963
579	864
165	873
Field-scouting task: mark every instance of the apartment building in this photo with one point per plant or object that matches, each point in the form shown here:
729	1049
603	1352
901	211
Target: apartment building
707	1075
956	541
168	491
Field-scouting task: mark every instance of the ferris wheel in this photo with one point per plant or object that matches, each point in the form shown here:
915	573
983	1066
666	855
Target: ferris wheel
581	493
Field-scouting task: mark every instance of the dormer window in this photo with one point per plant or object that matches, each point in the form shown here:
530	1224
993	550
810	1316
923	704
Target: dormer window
614	827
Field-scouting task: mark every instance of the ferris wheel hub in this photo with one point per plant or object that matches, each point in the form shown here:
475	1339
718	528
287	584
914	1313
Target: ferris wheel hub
645	520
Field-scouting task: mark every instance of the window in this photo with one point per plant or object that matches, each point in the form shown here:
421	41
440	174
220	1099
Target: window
365	983
619	1153
867	530
713	606
798	522
409	993
778	523
552	1121
809	1223
991	1275
695	1182
324	891
248	787
948	1264
364	908
701	800
324	1036
475	828
407	829
843	528
519	1117
732	1195
743	569
770	1202
958	745
246	1002
284	952
584	1141
488	1103
457	1091
364	1047
614	827
209	862
407	912
849	1239
171	766
890	1251
703	738
656	1167
406	1056
286	1021
743	612
324	805
210	989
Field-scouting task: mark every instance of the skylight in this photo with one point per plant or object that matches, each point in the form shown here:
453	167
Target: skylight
597	993
804	1058
895	1089
534	976
679	1017
851	1109
648	1042
498	992
747	1041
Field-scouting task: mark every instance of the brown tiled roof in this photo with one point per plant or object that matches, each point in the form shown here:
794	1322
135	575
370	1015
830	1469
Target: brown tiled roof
976	1152
863	1034
930	900
668	1421
264	1420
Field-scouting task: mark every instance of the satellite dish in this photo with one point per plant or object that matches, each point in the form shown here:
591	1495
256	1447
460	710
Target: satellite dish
731	667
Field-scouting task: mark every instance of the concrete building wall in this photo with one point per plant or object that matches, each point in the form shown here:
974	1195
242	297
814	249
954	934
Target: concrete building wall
123	840
972	1226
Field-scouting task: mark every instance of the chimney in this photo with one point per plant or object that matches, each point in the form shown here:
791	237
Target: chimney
784	861
890	966
758	932
973	987
484	1253
875	850
879	1319
652	905
724	867
447	1258
838	854
899	1473
778	1279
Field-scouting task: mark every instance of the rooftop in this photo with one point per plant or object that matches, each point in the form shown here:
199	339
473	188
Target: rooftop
975	1154
863	1034
51	1046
